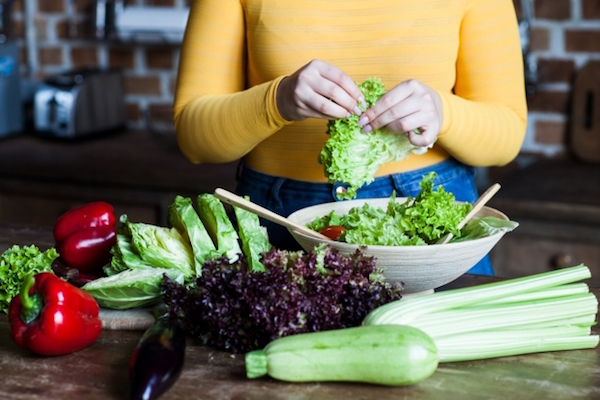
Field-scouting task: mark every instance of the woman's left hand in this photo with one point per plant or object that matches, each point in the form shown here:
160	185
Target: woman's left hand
411	108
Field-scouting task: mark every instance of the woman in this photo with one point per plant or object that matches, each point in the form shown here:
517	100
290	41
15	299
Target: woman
259	79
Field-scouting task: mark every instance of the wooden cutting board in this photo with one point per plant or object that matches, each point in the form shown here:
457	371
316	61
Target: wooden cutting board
137	319
585	113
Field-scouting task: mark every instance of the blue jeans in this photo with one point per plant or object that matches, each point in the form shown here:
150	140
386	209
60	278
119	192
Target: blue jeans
285	196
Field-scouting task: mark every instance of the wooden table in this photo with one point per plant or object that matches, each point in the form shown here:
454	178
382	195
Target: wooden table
101	370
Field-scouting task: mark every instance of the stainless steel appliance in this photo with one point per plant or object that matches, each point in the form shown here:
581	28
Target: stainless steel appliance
80	103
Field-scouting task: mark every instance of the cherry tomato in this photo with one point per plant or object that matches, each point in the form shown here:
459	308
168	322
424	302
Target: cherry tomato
333	231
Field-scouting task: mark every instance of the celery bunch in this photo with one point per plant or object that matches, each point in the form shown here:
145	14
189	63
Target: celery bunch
537	313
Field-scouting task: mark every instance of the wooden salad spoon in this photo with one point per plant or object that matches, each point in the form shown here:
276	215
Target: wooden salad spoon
477	206
238	201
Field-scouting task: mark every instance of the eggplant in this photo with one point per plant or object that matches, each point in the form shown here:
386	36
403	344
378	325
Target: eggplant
158	359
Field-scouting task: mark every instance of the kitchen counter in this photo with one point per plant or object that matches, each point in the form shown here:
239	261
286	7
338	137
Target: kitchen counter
557	204
101	370
139	172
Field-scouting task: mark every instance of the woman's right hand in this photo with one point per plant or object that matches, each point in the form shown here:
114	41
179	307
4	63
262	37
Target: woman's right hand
318	90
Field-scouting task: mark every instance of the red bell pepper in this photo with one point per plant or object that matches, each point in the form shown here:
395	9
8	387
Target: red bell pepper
88	249
51	317
85	235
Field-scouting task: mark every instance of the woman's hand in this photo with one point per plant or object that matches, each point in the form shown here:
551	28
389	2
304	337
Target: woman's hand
412	108
318	90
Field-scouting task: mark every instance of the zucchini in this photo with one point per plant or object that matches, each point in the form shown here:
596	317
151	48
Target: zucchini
394	355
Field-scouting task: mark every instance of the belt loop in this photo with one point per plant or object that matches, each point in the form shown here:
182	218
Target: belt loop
239	170
275	198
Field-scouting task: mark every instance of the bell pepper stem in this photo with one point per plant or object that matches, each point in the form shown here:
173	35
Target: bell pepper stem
31	306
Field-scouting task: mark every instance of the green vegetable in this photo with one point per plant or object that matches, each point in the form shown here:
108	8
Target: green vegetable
418	221
219	226
131	288
184	218
386	355
485	226
16	264
254	237
537	313
160	247
124	257
352	157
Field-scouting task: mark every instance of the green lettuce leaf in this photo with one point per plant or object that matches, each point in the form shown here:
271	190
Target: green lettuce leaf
417	221
160	247
183	217
131	288
353	157
214	216
254	237
485	226
16	264
124	257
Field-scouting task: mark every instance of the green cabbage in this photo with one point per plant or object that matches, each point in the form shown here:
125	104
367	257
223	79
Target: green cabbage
352	157
131	288
16	264
160	247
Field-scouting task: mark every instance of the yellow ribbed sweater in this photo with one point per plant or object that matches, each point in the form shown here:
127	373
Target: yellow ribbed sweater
235	53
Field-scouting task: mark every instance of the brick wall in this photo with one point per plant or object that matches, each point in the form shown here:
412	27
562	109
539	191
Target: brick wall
565	34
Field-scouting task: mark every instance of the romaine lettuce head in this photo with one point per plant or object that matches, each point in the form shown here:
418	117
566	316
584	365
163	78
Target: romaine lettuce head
213	215
16	264
131	288
254	237
183	217
352	157
161	247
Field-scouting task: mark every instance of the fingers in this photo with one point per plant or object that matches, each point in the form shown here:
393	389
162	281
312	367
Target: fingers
410	108
318	90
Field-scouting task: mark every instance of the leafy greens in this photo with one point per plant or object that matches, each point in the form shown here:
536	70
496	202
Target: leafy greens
420	220
235	309
353	157
16	264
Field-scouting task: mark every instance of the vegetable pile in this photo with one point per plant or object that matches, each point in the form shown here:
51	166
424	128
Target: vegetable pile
236	309
352	157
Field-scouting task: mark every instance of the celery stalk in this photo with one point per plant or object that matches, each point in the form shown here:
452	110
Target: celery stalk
466	319
474	350
406	310
554	292
537	313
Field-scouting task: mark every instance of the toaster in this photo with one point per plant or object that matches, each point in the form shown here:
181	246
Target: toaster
80	103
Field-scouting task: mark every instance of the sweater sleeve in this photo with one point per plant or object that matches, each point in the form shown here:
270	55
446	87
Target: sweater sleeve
484	119
217	118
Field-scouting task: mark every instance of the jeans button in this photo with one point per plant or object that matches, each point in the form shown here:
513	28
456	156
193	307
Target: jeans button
341	190
338	189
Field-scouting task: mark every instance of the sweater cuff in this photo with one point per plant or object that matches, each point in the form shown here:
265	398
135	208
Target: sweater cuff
446	117
272	109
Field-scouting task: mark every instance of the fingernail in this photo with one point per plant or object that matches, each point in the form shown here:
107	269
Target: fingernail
362	102
348	115
357	110
367	129
363	121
